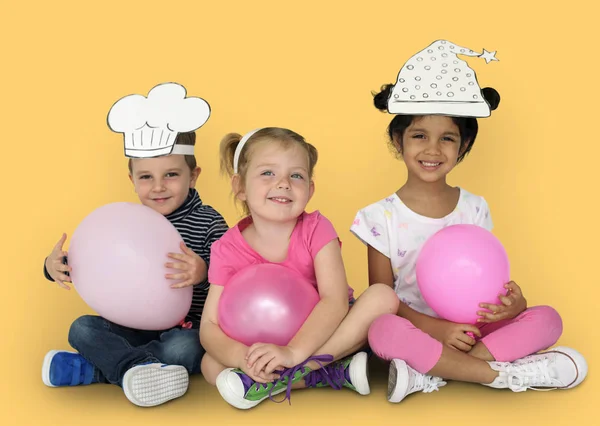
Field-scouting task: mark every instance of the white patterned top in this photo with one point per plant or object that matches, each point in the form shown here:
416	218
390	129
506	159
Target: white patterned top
398	232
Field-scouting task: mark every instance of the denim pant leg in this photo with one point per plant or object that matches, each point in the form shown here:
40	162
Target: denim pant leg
178	346
111	348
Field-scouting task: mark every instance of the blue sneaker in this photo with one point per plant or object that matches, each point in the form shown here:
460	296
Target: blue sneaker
150	384
63	368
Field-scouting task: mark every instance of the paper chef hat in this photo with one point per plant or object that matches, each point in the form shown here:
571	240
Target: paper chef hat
150	124
437	81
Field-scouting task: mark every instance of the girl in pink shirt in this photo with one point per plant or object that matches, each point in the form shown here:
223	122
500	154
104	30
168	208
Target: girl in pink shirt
271	173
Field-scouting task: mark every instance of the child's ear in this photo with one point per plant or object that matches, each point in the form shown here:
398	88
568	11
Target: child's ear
237	187
463	147
194	176
397	142
311	190
131	179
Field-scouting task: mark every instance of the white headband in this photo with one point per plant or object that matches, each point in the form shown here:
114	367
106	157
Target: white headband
183	149
240	146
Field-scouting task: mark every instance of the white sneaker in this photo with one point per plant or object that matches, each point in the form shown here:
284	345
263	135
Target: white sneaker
557	368
404	380
147	385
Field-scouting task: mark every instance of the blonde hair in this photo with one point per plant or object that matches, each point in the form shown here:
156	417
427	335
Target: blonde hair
188	138
284	137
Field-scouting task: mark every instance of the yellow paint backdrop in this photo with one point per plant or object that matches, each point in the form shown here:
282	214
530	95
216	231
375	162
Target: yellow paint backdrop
309	66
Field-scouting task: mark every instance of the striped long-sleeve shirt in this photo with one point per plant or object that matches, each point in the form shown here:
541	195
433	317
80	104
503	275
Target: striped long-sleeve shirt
200	226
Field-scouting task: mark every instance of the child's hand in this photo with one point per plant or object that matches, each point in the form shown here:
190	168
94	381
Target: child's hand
192	265
269	357
455	335
261	377
513	303
55	266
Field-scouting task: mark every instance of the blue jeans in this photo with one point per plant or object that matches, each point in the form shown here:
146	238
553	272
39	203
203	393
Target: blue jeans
114	349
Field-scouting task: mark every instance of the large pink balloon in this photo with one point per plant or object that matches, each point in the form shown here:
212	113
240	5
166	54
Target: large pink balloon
460	267
265	303
118	253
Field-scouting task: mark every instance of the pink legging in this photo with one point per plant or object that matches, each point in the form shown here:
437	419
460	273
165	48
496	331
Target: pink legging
535	329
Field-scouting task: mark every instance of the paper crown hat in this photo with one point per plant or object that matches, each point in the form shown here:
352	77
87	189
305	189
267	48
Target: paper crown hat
150	125
437	81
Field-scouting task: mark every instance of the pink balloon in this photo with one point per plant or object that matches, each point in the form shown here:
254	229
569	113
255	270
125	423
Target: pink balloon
265	303
118	253
460	267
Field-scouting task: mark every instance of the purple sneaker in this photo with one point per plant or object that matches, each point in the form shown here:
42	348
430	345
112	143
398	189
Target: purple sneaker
350	372
239	390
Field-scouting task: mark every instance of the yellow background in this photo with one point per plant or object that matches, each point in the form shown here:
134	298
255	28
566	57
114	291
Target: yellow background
309	66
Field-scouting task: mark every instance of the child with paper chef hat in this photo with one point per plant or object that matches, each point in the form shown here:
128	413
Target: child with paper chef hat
152	367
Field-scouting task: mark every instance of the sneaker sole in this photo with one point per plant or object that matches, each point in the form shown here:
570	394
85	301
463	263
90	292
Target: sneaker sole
151	385
397	374
46	367
359	373
231	395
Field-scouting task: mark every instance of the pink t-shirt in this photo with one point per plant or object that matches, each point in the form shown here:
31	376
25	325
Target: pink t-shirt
231	252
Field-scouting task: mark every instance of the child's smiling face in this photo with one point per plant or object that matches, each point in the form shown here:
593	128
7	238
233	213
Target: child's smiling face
430	147
163	183
277	183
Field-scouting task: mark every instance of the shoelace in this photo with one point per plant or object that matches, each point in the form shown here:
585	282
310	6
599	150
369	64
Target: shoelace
528	375
291	372
332	375
426	383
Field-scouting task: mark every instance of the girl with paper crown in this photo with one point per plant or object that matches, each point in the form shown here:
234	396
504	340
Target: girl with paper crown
436	101
272	174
